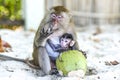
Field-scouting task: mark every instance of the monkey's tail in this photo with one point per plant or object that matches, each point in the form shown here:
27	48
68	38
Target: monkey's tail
4	57
27	61
30	64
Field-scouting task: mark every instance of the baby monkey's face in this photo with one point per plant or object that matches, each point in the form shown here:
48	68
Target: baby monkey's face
65	43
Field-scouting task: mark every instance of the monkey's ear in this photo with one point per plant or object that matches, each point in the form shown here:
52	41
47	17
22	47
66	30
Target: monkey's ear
51	9
70	15
47	9
72	43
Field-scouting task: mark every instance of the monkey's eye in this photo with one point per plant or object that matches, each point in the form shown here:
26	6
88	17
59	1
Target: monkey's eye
62	39
66	41
53	15
59	17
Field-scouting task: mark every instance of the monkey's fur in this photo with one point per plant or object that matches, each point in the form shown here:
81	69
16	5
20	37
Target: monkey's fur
40	56
47	30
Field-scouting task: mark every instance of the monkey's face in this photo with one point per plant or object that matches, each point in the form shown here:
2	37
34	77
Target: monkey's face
61	19
65	43
56	18
59	16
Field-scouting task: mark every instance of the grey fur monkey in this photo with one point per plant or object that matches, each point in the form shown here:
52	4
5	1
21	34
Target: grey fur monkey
55	23
66	42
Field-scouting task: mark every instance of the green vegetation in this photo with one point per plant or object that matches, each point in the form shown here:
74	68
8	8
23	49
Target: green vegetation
10	14
10	9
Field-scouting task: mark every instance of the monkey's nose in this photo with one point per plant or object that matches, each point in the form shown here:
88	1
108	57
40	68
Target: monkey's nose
55	22
55	19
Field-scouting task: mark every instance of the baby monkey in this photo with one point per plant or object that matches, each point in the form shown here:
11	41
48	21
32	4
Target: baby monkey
66	42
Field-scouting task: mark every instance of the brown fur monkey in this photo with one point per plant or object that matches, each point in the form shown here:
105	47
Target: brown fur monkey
55	23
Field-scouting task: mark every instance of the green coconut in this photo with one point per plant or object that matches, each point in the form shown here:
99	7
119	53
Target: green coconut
71	60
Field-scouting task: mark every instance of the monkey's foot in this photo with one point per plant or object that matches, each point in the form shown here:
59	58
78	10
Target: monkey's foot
54	71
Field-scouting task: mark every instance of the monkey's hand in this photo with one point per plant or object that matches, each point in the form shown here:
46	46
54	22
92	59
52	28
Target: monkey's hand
43	36
46	33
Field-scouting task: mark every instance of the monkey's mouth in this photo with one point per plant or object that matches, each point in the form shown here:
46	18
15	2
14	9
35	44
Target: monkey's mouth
55	21
54	25
65	47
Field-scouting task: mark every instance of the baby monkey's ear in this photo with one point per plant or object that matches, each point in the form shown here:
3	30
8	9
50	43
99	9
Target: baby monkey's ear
72	43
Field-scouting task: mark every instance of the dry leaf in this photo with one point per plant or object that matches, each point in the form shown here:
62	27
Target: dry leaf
4	45
114	62
98	31
96	40
111	63
1	46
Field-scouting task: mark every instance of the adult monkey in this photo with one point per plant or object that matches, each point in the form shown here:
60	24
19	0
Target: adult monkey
56	22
